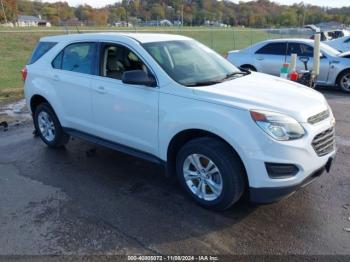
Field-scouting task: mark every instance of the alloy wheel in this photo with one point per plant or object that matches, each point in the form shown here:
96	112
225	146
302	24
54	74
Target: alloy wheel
202	177
345	82
46	126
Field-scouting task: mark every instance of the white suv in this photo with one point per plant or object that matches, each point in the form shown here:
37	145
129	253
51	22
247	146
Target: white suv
173	101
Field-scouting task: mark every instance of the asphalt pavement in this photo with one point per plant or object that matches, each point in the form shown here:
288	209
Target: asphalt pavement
85	200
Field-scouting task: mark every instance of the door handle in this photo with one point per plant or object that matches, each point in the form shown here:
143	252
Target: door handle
260	58
56	78
100	90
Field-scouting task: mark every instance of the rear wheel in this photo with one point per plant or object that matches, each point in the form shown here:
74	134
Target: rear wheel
48	126
211	172
344	81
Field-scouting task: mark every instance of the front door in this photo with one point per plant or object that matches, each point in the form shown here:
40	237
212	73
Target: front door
305	50
123	113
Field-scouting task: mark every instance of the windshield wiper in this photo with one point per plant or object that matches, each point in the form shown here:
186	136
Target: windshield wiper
213	82
204	83
233	74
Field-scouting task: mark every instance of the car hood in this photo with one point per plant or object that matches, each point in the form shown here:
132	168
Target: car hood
266	92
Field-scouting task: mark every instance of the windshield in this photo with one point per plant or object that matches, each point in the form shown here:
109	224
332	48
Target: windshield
329	50
191	63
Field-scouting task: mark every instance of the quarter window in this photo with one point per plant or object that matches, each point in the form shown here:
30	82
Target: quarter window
57	62
273	49
41	49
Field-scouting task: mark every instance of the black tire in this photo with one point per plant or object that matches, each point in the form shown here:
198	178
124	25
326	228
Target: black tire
249	67
229	165
340	78
60	137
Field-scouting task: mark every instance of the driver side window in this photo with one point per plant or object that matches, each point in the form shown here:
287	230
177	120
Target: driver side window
117	59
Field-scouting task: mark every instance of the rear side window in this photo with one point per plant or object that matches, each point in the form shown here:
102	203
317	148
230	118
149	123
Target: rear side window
41	49
273	49
79	57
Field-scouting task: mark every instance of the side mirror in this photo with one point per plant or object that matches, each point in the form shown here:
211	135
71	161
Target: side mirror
138	77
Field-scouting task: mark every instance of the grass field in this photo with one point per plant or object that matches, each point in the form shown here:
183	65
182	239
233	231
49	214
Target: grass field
17	44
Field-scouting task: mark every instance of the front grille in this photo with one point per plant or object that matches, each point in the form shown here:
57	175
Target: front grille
324	142
318	117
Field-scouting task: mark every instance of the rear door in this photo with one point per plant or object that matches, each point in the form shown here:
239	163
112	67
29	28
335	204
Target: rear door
71	76
270	58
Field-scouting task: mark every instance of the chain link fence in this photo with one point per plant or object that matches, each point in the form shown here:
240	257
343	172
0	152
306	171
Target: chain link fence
219	39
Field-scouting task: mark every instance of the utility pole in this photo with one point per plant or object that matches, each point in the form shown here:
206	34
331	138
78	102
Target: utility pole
304	16
3	10
182	14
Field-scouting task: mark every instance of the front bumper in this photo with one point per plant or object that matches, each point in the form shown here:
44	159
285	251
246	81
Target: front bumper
274	194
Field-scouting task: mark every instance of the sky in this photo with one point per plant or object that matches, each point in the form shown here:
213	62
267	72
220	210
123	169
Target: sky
330	3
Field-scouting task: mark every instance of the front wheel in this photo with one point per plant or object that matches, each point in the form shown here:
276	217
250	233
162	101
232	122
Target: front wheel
48	126
344	81
211	173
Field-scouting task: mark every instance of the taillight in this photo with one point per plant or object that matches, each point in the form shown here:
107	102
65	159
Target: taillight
24	73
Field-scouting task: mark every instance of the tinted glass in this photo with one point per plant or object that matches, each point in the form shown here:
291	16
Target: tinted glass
293	48
57	62
188	62
79	58
347	40
306	50
273	49
41	49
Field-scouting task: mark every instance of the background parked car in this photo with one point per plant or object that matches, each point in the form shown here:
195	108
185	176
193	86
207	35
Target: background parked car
342	44
269	56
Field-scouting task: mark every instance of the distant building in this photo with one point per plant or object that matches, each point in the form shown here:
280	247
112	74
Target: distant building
163	22
27	20
122	24
177	23
7	24
214	23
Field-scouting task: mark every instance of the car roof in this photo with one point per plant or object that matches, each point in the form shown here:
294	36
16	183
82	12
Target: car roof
298	40
140	37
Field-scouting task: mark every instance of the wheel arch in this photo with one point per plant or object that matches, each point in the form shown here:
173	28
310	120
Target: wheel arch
36	100
184	136
339	75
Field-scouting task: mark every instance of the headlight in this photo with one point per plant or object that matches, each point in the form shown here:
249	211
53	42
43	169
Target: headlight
278	126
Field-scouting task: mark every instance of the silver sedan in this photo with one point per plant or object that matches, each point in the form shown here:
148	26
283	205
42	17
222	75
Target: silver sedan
269	56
